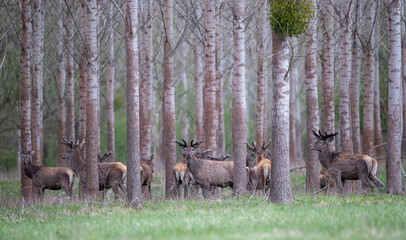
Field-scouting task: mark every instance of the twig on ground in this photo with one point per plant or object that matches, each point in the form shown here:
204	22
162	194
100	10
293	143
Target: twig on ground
298	199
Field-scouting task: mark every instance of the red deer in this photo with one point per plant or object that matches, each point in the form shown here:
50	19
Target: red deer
111	174
52	178
208	173
260	173
146	168
345	166
183	178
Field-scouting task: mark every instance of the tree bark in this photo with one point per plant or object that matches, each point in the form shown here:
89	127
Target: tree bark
393	174
355	82
404	82
312	107
146	78
280	175
210	85
377	106
221	140
239	122
368	76
261	75
25	94
37	82
169	137
345	75
110	85
61	76
327	71
92	105
70	82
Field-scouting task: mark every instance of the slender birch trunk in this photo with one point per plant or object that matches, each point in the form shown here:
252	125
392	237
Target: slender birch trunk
327	65
368	76
169	137
377	106
37	81
110	85
25	94
355	82
221	140
70	99
210	86
92	106
393	166
345	75
312	107
261	75
61	76
280	175
239	122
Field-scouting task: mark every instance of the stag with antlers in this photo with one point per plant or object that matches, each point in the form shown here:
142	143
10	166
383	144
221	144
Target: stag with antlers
345	166
111	174
260	173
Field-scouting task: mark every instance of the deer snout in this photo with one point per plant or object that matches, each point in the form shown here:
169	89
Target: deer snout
310	147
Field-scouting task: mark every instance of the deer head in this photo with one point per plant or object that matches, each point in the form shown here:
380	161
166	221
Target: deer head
26	158
149	161
191	147
73	154
106	155
259	152
250	160
321	143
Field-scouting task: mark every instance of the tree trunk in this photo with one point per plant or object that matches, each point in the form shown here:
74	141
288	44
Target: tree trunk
312	107
355	83
294	107
25	94
377	106
221	140
183	81
210	86
280	175
92	106
61	87
345	75
146	79
70	82
368	76
110	85
169	137
404	82
393	174
239	122
327	68
261	75
37	82
82	97
133	119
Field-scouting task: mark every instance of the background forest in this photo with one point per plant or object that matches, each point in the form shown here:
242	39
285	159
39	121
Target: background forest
366	92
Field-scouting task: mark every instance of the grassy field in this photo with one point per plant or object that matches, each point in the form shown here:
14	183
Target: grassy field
376	216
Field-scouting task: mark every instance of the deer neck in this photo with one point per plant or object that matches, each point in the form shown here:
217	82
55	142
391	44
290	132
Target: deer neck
325	157
77	162
193	164
31	169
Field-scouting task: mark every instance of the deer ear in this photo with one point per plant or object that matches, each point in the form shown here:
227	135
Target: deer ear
31	153
330	139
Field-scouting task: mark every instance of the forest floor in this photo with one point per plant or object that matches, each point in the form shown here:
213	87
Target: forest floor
377	216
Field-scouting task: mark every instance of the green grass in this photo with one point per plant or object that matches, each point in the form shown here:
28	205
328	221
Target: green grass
377	216
355	217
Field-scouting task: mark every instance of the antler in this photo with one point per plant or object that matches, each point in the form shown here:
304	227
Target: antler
196	144
264	147
326	135
181	144
252	148
106	154
315	134
69	144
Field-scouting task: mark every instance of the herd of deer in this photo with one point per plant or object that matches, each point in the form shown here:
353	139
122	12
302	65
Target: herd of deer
197	168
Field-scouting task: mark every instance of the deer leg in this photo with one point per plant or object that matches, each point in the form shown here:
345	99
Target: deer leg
116	191
336	175
366	185
376	181
123	188
186	191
